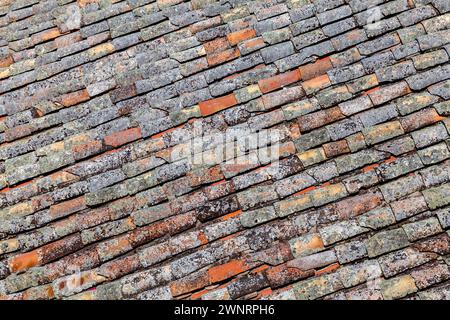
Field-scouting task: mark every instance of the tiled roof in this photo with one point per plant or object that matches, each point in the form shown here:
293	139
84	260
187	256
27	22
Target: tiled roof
224	149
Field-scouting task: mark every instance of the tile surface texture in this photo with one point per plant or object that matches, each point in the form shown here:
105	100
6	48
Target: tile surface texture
213	149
